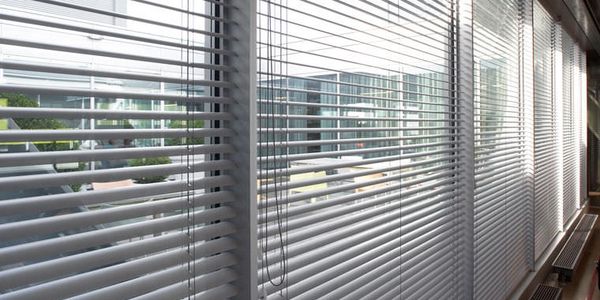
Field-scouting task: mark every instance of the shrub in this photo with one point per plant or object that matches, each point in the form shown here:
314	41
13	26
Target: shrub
20	100
181	124
150	161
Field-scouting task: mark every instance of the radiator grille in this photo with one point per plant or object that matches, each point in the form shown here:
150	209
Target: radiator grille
569	255
545	292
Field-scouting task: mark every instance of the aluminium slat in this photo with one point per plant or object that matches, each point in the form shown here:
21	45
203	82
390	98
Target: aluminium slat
84	282
357	253
211	281
510	136
442	236
365	274
510	100
140	287
347	16
328	20
188	11
128	17
390	60
323	154
262	174
303	143
444	108
40	204
306	288
5	15
109	94
433	273
486	206
357	129
424	13
57	246
111	54
436	180
498	46
371	278
350	175
89	134
301	209
81	262
389	220
300	234
488	246
53	157
360	291
359	85
500	158
73	113
313	251
381	235
52	224
366	204
487	179
351	118
444	185
495	148
223	291
383	67
496	154
400	285
25	182
320	68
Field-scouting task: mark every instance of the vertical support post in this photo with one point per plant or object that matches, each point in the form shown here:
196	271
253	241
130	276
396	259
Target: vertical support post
92	120
527	113
558	102
466	134
241	32
584	120
578	123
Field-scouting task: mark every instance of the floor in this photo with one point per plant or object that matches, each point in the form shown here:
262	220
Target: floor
583	286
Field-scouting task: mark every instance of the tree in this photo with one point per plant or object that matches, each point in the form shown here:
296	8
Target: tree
181	124
20	100
150	161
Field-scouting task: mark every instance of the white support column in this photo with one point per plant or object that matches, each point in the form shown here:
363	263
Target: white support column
162	109
92	120
242	30
558	104
578	121
584	119
465	86
527	113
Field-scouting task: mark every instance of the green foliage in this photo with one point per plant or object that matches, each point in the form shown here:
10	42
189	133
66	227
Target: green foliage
74	186
183	141
150	161
20	100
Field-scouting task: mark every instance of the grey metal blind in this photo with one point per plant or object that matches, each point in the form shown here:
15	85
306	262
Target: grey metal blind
578	122
501	191
548	184
570	142
357	143
111	133
583	126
